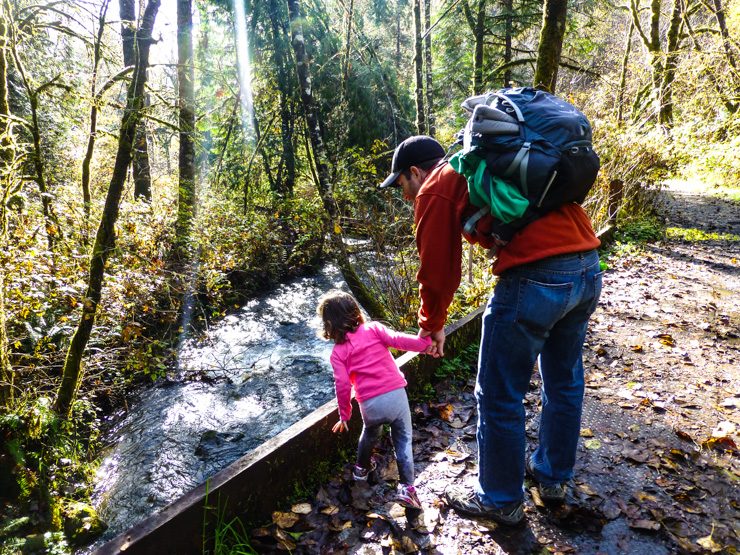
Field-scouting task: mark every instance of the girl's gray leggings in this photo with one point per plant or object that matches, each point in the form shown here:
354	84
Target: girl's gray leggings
389	408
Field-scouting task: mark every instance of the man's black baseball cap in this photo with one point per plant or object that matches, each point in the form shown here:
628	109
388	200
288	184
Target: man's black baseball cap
414	151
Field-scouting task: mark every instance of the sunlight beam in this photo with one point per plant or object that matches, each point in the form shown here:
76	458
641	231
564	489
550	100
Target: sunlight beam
245	69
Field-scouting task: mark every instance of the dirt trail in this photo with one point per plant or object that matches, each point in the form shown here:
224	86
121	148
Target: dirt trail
658	464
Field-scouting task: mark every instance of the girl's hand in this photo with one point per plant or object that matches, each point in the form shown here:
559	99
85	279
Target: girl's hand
340	426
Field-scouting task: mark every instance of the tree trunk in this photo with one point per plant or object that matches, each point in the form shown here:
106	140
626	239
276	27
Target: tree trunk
730	105
656	56
421	125
669	71
623	72
551	44
6	156
428	65
477	24
508	29
105	239
347	49
399	15
86	198
51	226
651	42
287	171
311	113
186	96
719	13
140	165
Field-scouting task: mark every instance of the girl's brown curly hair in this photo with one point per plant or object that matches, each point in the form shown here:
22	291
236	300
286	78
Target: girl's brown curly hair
340	313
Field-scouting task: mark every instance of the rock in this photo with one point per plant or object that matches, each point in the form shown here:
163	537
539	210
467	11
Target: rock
82	523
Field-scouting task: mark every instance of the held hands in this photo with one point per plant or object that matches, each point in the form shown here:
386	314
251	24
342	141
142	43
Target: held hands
436	349
340	426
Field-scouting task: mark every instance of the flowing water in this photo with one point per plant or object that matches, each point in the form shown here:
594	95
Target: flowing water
256	373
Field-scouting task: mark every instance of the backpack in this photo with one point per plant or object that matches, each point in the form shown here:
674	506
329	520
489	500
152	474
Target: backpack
524	153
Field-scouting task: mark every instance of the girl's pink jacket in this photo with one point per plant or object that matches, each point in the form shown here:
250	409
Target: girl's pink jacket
363	362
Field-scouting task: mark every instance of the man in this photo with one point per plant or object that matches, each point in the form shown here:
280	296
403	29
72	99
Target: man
548	287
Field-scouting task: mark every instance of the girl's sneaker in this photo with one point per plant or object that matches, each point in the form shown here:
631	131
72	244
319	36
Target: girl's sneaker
360	473
407	496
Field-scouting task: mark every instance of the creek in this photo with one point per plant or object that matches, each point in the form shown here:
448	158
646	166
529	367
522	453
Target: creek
254	374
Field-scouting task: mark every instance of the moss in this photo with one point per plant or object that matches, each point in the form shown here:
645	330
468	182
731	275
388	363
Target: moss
694	235
81	522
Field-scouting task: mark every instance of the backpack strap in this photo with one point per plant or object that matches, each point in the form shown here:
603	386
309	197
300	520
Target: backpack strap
520	162
469	226
517	111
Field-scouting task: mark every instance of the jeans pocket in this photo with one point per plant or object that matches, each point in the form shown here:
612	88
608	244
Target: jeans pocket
541	305
598	277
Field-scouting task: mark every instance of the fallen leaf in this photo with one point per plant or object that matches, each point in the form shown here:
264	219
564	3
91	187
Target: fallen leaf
684	436
610	510
536	499
637	456
408	545
644	524
666	339
724	443
586	432
592	444
588	490
446	412
709	544
284	520
330	510
457	423
642	496
301	508
637	348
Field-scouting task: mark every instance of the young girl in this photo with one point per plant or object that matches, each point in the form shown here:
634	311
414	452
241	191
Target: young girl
360	359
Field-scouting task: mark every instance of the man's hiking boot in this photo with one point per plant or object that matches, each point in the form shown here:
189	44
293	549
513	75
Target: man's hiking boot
465	501
360	473
551	493
407	497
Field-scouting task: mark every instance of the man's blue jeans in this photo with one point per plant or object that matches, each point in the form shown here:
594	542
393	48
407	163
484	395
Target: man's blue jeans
536	310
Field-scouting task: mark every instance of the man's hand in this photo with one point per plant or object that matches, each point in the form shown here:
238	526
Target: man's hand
340	426
438	341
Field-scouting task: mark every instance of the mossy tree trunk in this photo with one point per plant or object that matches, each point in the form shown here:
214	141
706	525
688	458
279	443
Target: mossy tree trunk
186	96
286	174
311	114
6	156
669	72
662	63
140	163
34	92
477	23
421	123
623	71
727	42
428	66
554	14
508	6
105	239
95	98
